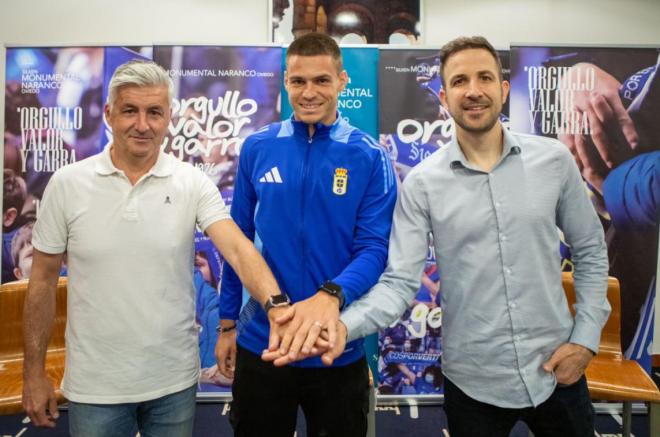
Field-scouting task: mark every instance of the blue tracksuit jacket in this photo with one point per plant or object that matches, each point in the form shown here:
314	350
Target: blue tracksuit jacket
318	208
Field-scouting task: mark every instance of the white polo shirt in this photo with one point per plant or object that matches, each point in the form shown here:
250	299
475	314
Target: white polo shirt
130	332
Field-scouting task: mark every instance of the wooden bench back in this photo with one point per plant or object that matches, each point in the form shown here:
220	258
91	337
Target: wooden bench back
12	298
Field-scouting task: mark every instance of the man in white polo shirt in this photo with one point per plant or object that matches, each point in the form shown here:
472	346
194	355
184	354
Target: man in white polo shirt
126	220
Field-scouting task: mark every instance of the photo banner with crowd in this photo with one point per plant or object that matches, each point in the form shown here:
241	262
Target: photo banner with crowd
54	100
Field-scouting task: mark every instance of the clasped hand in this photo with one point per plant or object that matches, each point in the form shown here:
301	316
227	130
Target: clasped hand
307	328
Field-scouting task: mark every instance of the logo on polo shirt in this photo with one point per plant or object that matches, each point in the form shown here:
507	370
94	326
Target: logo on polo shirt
272	176
168	200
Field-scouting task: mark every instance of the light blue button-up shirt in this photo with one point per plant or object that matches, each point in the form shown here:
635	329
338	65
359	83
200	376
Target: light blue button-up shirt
496	241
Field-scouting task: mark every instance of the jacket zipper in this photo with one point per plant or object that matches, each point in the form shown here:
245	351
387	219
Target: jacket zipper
302	209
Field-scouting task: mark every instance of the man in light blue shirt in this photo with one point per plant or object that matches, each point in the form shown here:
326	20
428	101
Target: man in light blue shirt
493	201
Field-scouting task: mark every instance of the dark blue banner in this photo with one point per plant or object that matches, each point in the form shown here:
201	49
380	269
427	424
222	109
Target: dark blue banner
603	105
222	95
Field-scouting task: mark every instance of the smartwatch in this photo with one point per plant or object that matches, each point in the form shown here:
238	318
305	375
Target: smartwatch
335	290
276	301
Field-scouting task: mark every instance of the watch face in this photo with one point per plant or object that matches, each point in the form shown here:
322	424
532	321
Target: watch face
334	290
332	287
280	299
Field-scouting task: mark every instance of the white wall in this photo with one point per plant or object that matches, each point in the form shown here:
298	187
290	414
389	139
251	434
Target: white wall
144	22
545	21
37	22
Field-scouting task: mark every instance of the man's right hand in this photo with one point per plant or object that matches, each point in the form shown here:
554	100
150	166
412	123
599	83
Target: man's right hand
39	400
279	319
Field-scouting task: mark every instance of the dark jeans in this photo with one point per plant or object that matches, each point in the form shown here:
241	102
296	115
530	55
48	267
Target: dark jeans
567	412
335	400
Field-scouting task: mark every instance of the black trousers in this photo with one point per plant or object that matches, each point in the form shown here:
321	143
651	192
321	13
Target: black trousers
335	400
568	412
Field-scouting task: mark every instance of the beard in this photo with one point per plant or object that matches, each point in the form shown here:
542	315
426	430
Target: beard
486	121
481	127
461	118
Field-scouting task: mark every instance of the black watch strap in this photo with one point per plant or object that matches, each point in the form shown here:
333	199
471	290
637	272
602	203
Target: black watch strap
335	290
275	301
222	329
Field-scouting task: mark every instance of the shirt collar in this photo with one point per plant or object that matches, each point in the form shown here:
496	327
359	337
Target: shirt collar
457	159
105	167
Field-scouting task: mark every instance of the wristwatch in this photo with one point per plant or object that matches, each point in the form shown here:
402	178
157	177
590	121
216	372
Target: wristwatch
276	301
335	290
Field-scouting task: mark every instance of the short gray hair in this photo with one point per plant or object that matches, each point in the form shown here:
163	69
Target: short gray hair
140	73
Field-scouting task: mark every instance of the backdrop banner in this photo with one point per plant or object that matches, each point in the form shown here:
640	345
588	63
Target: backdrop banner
53	117
222	95
577	94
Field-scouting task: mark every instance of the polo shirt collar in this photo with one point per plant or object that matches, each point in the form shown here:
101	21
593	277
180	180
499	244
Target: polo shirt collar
457	158
164	165
104	165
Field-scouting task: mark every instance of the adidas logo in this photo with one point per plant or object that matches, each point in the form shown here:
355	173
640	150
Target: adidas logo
272	176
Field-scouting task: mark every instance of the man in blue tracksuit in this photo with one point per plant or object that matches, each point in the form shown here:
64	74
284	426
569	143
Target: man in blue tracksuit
316	195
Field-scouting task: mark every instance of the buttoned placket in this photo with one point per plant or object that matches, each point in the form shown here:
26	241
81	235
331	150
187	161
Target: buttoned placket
131	212
515	315
499	209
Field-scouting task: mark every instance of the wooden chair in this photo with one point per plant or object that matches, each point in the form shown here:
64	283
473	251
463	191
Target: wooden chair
610	376
12	297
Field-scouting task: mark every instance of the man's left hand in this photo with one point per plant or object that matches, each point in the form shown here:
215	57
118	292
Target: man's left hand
568	362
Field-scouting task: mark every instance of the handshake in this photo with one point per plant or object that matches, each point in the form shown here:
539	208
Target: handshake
297	331
305	329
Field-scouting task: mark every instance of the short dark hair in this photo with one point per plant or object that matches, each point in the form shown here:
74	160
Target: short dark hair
316	44
463	43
